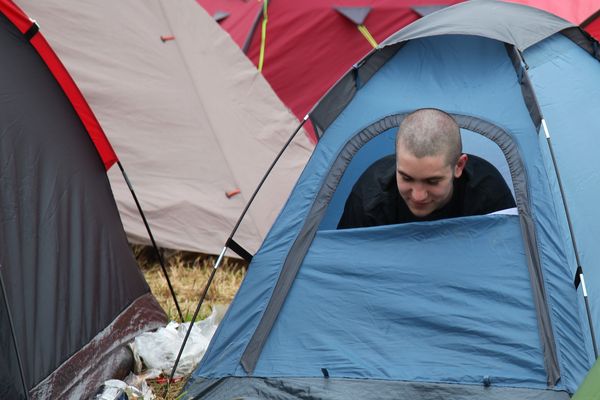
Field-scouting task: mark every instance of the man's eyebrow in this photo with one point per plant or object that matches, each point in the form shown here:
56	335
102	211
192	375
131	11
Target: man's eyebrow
440	177
403	173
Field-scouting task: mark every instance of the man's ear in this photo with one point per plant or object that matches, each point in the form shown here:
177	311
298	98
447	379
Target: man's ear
460	165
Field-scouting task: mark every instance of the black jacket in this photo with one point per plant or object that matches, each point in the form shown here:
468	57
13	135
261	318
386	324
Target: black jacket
375	200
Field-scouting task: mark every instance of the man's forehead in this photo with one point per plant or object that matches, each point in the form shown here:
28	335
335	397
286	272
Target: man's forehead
427	167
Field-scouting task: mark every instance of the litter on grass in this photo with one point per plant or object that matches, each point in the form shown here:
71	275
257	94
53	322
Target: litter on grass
158	350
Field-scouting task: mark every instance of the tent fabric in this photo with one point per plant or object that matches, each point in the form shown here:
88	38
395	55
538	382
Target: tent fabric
341	389
578	12
309	44
592	24
574	11
432	303
66	265
191	118
25	26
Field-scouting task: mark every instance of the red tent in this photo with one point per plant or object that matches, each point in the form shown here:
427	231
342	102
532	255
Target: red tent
310	44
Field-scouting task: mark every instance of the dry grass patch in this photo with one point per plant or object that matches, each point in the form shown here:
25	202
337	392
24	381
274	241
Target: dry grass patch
189	273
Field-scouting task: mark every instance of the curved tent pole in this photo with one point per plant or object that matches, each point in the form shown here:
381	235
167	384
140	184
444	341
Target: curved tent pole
159	255
579	277
13	333
232	244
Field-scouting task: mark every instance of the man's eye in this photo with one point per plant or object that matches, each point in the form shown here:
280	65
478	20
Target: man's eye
406	178
433	182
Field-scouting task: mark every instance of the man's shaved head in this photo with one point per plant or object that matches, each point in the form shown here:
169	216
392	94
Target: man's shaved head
430	132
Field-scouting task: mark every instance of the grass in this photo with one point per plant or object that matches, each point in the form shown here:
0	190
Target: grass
188	273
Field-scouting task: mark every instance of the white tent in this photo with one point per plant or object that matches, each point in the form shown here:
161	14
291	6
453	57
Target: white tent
189	116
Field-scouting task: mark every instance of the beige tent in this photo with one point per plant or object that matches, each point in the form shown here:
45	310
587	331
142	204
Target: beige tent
188	114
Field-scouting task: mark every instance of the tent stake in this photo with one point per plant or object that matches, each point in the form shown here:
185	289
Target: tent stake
572	233
233	231
158	254
14	336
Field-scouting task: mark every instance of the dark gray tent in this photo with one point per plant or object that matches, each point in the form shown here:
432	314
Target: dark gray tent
71	294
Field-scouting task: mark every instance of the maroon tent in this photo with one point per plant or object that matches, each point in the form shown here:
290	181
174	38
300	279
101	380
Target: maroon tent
310	44
71	294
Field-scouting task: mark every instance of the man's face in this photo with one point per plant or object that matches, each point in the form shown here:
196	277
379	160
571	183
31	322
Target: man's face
426	183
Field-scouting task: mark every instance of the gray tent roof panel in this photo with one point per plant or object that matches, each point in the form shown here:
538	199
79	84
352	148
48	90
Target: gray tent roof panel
355	14
515	24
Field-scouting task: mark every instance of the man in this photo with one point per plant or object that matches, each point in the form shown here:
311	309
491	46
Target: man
428	179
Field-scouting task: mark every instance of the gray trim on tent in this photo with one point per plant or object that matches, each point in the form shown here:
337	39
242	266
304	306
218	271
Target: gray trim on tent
220	16
305	237
426	10
333	103
519	178
356	15
511	23
526	87
584	40
343	389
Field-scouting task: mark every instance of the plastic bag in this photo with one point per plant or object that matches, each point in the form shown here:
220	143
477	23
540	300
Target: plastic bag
159	349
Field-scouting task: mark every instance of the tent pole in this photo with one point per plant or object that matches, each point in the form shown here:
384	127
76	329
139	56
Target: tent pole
580	277
14	336
202	297
158	254
234	230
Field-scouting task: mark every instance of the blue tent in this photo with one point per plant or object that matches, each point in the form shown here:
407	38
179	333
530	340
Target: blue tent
466	308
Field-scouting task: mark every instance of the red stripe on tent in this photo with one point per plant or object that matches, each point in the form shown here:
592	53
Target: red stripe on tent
83	110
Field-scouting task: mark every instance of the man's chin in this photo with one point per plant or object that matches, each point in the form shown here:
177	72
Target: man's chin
420	212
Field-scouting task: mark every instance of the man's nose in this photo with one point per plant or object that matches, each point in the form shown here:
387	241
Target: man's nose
419	193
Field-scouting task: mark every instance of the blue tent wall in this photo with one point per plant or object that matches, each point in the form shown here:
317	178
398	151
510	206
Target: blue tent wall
404	310
317	326
456	65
